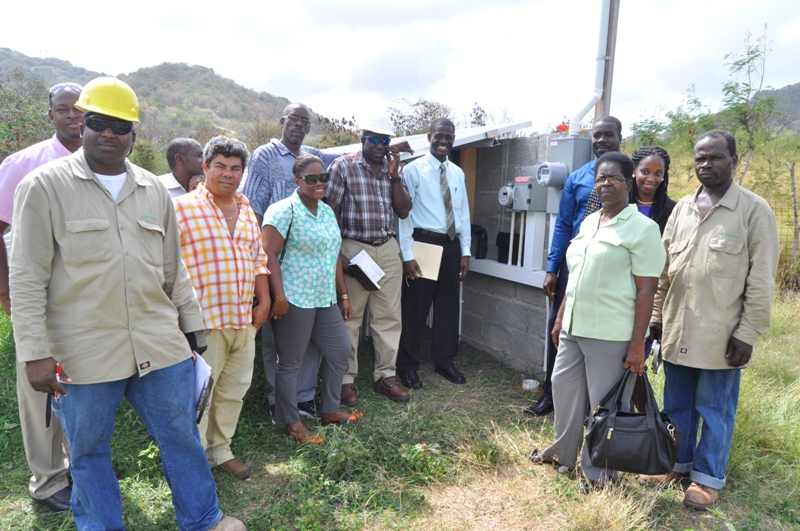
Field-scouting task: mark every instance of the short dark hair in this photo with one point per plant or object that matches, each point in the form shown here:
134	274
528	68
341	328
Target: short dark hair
179	145
303	162
613	120
227	147
719	133
616	157
436	123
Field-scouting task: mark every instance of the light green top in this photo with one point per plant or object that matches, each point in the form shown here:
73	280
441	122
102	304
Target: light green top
601	292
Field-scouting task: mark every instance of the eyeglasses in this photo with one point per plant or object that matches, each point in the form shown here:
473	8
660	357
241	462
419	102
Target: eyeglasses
612	180
55	89
312	178
295	118
118	127
374	140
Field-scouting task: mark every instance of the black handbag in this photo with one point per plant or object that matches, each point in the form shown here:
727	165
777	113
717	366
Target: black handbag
642	443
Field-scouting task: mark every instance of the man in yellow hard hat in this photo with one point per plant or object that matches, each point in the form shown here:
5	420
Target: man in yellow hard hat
98	290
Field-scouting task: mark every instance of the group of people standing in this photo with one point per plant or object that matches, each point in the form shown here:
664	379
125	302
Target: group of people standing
629	266
119	280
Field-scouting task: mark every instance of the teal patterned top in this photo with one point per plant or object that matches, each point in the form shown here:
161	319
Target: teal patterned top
309	265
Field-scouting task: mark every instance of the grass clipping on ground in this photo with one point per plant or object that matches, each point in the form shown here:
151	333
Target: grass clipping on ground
453	458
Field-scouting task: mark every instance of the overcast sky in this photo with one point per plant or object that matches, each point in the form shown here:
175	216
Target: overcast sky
535	59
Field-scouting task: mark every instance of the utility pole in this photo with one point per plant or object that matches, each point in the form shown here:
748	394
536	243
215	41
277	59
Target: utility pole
603	107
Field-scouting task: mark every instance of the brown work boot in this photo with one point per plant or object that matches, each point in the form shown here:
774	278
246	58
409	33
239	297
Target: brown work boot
700	497
236	468
349	396
390	387
659	481
229	524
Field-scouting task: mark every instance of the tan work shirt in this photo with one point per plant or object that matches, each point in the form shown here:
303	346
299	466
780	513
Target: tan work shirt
719	279
98	284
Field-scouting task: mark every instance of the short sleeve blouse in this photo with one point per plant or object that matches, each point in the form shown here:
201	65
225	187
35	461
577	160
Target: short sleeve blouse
312	248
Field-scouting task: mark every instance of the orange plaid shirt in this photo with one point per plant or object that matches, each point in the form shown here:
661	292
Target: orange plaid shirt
223	268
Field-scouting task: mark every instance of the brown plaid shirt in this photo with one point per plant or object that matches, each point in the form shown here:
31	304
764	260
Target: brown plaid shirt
364	199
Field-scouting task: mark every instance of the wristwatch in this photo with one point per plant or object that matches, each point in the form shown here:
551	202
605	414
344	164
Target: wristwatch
345	296
395	180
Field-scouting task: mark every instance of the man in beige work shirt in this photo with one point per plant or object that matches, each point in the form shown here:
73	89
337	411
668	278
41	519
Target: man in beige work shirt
714	299
98	286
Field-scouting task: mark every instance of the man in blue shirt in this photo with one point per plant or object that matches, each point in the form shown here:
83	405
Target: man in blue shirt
606	136
267	180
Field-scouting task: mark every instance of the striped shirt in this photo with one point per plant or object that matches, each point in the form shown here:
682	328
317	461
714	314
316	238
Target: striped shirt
223	268
364	199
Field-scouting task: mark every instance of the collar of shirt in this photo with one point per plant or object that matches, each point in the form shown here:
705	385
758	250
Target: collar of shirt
729	200
171	182
203	192
82	170
60	147
433	161
358	158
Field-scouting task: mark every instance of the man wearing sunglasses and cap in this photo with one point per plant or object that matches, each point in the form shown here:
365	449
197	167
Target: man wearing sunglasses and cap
365	193
102	302
269	179
45	447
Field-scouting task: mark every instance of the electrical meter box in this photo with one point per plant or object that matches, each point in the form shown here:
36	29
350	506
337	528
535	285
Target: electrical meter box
528	195
573	152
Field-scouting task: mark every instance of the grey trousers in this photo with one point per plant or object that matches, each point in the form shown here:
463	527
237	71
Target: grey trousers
584	372
325	327
309	368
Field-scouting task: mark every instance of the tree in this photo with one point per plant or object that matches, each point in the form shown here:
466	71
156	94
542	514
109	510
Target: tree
24	101
685	125
335	132
649	130
415	118
478	117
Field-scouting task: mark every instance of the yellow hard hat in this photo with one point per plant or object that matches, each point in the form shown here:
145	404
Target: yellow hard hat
110	96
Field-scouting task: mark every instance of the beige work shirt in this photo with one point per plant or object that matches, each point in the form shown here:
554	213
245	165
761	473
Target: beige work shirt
98	284
719	279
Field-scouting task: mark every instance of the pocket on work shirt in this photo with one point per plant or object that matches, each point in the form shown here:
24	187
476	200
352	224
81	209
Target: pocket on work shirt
723	257
89	241
151	237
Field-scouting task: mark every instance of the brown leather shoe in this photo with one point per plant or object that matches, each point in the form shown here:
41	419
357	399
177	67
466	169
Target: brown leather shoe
660	481
349	396
229	524
390	388
700	497
236	468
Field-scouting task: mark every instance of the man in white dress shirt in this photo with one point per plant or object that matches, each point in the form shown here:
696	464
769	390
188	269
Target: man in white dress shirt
185	159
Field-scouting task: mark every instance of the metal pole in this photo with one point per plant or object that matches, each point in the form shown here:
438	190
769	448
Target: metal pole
603	107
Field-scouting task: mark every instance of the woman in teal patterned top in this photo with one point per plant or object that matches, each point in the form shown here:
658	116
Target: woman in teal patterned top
302	240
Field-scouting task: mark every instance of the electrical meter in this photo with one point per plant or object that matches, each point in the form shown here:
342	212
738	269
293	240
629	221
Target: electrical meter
552	174
505	196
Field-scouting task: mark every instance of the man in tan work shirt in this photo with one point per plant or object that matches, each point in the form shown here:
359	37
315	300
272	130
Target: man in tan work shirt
714	299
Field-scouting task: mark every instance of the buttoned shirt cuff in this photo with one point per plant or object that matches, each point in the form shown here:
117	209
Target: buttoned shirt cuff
552	267
32	350
191	323
407	254
746	334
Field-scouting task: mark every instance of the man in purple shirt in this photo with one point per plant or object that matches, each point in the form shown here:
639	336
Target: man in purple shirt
45	448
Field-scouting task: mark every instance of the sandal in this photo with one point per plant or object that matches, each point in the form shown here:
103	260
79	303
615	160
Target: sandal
310	439
353	417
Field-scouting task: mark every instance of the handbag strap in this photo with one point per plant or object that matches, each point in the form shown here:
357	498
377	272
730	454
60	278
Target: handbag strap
286	239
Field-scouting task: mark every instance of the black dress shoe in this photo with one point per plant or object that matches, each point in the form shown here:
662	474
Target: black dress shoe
58	502
452	374
410	379
542	407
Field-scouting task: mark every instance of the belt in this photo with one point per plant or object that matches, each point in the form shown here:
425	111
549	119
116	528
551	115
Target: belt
375	243
437	235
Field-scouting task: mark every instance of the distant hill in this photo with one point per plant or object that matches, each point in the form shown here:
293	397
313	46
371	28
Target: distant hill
51	70
787	101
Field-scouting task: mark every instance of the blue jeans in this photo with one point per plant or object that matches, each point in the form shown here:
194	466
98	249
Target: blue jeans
711	395
163	400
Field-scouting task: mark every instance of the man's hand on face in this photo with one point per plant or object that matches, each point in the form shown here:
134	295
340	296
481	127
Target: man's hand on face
42	376
738	352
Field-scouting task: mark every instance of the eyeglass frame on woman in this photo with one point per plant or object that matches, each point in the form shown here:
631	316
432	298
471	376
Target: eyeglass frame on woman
611	180
118	127
374	140
323	177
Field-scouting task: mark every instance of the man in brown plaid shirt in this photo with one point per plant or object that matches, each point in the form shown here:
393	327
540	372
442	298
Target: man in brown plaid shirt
366	191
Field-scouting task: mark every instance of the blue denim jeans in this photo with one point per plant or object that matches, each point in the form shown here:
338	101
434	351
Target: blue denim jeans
711	395
163	400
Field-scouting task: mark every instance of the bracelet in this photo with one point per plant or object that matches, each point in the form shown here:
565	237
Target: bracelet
395	180
345	297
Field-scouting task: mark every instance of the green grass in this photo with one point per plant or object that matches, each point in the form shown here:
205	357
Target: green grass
453	458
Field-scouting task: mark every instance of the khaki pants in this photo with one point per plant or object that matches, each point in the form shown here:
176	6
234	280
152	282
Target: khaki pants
230	354
45	448
384	308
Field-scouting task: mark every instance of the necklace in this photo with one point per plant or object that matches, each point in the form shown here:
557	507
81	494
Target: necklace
643	203
236	213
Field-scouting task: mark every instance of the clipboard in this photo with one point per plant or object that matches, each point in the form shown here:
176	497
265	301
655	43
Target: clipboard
429	258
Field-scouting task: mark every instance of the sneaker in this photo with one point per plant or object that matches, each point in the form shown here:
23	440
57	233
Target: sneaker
309	408
390	388
700	497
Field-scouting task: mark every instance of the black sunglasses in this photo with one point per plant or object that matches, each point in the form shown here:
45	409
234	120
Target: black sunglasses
312	178
99	125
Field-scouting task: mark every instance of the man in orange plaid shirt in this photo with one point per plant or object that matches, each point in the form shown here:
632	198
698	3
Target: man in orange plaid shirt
221	247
